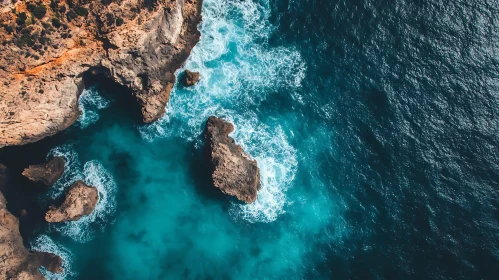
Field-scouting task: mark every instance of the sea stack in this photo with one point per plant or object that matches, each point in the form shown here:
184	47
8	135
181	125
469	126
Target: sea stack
80	201
16	261
47	173
191	78
233	171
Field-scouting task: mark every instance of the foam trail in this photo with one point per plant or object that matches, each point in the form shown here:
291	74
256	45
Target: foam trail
90	103
43	243
94	174
239	69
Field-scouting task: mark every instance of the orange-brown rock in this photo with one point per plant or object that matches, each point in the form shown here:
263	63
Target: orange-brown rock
47	173
45	54
234	172
191	78
80	201
16	262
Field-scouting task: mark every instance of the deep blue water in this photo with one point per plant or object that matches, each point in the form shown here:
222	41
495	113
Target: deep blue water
375	126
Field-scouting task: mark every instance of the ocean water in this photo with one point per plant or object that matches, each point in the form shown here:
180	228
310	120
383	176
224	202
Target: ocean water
375	127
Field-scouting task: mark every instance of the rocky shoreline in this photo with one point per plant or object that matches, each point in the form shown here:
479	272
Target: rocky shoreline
49	46
47	49
138	45
16	262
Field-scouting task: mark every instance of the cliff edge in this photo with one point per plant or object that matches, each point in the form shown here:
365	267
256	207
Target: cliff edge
48	45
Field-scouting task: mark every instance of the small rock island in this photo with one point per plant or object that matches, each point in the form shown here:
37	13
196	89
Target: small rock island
233	171
47	173
80	201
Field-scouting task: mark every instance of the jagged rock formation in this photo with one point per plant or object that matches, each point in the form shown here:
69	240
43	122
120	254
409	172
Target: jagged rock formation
191	78
47	47
234	172
80	201
47	173
15	261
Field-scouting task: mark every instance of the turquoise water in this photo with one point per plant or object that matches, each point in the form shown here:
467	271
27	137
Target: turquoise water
375	130
158	216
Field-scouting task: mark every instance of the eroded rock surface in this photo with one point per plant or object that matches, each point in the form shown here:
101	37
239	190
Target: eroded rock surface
191	78
47	173
49	45
16	262
234	172
80	201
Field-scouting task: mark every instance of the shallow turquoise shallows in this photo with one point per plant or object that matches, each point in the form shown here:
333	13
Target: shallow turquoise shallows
374	124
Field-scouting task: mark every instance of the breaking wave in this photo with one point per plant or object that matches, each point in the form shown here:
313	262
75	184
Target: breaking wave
43	243
238	69
93	174
90	103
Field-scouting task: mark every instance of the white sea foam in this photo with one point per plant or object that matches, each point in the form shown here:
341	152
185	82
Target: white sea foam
71	170
277	162
43	243
93	174
90	103
239	68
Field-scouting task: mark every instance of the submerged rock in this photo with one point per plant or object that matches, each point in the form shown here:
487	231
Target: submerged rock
16	262
47	173
191	78
234	172
80	201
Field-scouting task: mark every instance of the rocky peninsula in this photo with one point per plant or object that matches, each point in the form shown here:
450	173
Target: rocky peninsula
233	171
47	47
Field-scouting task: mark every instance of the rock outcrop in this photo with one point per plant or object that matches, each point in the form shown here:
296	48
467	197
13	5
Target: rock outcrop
191	78
48	46
234	172
47	173
80	201
16	262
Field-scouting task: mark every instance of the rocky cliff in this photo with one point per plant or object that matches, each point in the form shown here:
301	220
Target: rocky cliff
15	261
48	45
233	171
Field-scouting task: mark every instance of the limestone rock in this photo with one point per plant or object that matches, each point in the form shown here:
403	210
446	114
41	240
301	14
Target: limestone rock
191	78
138	44
47	173
234	172
16	262
80	201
